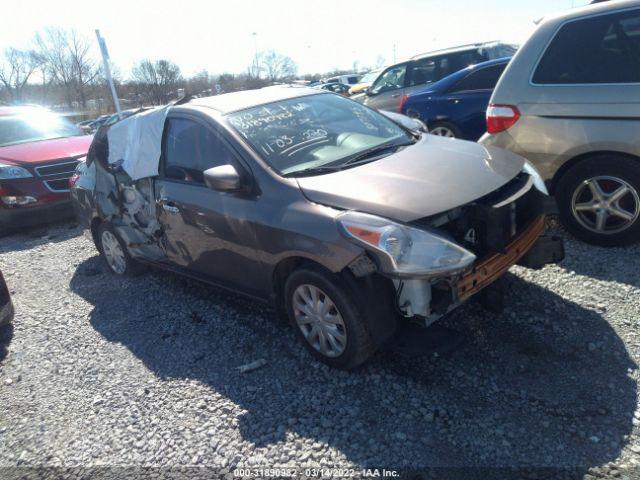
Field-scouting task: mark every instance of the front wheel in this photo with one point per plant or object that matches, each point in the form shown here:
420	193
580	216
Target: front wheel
444	129
599	200
321	308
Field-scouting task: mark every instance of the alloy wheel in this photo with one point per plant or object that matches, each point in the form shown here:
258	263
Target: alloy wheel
605	204
442	132
319	320
113	252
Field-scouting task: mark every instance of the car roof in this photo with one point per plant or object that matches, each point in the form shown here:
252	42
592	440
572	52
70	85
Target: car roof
232	102
459	48
591	9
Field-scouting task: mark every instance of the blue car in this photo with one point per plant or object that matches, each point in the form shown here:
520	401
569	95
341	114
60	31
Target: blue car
456	105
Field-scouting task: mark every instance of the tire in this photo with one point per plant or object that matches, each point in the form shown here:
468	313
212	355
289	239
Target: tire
109	242
441	128
357	345
581	211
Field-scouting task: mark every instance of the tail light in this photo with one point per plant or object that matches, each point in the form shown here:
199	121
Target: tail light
73	179
402	102
501	117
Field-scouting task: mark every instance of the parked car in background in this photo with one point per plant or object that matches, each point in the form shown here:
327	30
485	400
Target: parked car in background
456	106
348	79
339	88
349	222
6	306
388	90
39	151
365	82
569	101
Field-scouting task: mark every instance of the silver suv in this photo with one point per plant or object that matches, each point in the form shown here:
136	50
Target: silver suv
569	101
397	81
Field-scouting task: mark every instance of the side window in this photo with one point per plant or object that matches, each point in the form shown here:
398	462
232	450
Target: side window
602	49
483	79
392	79
190	148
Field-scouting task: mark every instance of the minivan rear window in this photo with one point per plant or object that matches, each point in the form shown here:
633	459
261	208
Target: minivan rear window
596	50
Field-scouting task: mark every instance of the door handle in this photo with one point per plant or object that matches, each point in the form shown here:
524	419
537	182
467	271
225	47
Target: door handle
454	100
170	207
395	95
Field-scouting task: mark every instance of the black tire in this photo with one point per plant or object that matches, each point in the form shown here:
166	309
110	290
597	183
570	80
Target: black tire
604	165
131	267
359	344
449	126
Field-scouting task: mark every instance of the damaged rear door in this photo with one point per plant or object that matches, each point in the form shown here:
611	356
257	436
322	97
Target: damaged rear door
206	232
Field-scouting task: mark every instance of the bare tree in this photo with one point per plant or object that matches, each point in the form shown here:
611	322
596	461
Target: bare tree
277	66
157	80
67	57
15	71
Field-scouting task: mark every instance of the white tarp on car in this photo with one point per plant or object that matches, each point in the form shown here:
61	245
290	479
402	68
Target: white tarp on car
136	142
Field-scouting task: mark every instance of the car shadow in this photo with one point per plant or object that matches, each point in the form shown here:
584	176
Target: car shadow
28	238
524	388
618	264
6	335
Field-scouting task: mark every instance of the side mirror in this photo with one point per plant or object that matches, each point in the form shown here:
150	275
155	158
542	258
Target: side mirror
224	178
367	91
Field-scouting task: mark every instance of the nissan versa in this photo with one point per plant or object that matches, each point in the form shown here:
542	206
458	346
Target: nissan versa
345	219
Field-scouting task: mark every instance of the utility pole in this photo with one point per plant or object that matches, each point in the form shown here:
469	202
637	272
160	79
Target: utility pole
255	55
107	70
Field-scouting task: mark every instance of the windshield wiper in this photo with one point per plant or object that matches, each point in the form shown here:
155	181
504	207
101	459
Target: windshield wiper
374	152
313	171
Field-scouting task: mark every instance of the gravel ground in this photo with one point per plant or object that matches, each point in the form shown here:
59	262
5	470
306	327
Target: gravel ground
102	371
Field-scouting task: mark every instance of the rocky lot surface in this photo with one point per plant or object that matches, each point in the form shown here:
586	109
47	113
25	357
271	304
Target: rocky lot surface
99	371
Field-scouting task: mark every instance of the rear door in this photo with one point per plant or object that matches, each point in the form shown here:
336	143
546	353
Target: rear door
468	99
206	231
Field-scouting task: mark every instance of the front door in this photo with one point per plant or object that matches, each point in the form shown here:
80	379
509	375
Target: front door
387	91
205	231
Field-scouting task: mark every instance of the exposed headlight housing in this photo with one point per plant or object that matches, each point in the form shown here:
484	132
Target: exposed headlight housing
404	251
9	172
537	179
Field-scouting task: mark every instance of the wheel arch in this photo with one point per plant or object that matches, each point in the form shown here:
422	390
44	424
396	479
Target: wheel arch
572	162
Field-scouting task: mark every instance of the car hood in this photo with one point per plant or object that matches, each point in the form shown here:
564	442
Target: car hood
432	176
45	150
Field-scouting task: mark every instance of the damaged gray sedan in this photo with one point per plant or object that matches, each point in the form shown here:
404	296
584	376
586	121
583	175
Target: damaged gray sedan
351	222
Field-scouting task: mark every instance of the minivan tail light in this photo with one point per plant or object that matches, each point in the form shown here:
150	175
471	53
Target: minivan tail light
402	102
501	117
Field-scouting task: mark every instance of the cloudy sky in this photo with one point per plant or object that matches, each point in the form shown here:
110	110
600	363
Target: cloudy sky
318	35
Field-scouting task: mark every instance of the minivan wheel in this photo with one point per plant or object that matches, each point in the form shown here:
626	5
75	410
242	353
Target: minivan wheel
599	200
115	253
326	318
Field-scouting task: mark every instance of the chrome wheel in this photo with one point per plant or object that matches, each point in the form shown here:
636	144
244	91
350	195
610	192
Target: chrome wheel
319	320
605	205
113	252
442	132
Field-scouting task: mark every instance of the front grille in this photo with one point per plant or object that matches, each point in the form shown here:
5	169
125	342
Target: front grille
60	185
66	167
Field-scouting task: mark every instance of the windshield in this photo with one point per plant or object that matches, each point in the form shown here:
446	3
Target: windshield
370	77
33	127
314	131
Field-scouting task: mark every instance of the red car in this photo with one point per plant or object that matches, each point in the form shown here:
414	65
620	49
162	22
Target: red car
39	151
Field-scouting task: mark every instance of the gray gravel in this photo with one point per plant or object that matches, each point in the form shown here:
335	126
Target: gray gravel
103	371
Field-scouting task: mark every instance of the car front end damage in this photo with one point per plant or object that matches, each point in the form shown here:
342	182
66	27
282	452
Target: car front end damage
438	262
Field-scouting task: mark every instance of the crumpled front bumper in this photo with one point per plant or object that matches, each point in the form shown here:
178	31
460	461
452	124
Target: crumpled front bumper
529	248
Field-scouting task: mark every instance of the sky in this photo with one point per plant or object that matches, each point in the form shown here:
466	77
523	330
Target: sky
318	35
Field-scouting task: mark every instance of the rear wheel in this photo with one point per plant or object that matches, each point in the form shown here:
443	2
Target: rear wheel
327	318
444	129
599	200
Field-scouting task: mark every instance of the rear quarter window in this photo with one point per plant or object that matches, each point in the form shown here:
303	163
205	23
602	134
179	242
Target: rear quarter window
596	50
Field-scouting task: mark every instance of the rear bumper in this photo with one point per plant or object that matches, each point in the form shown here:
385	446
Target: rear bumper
528	248
11	218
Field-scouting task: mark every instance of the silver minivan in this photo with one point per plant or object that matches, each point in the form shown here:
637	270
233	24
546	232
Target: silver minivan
569	101
397	81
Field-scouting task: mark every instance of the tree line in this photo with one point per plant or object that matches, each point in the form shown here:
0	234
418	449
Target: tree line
60	70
